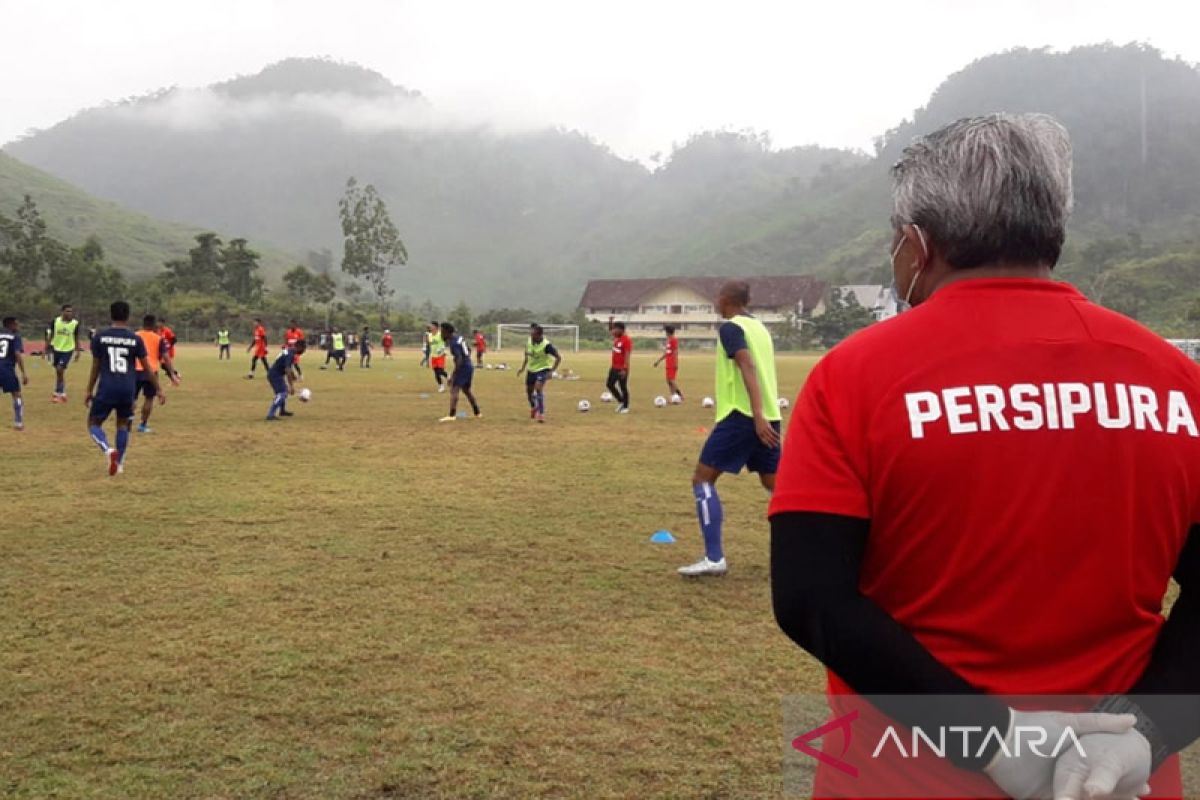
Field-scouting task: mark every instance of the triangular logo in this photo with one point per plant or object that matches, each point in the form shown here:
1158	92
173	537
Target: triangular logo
842	723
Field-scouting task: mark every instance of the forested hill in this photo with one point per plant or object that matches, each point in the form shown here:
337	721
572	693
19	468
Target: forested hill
526	217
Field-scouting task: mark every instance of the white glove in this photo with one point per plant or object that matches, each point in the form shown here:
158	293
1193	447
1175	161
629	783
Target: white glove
1024	767
1115	766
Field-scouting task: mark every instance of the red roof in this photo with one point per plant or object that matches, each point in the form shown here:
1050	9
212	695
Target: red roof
772	291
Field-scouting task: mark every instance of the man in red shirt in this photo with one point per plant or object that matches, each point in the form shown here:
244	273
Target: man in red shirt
989	495
480	347
259	346
671	356
618	374
294	335
387	341
168	336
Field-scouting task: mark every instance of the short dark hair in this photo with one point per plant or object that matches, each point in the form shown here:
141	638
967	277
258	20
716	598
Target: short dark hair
119	311
670	329
620	325
434	322
66	306
301	345
9	322
533	326
148	321
737	291
447	328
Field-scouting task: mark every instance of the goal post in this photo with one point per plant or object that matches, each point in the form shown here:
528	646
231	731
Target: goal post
518	332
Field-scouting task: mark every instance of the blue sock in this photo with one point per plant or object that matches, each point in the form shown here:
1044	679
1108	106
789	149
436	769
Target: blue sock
19	410
708	509
99	438
541	402
122	442
60	386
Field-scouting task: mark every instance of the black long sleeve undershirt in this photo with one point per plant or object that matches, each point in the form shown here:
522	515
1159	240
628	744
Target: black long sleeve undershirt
815	565
1169	690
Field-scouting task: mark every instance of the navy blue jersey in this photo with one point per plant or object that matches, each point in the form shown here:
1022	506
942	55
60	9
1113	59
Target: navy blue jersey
10	345
733	338
117	349
279	368
460	353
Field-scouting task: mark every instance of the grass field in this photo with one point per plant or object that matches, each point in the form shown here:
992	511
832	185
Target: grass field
359	602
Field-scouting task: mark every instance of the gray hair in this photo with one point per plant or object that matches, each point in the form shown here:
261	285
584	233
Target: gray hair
993	189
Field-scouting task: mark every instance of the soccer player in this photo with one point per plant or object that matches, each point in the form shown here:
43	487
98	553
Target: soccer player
464	372
427	344
746	433
168	336
671	356
988	495
62	343
115	352
223	343
387	342
437	353
364	349
480	347
293	335
11	361
259	346
282	375
337	349
618	374
158	353
538	352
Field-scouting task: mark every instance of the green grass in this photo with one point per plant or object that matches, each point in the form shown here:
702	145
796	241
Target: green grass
360	602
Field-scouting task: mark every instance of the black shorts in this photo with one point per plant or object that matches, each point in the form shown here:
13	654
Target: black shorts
145	389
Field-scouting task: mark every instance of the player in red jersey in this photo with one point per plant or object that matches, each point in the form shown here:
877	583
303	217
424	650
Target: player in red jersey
259	346
989	495
386	342
671	356
480	347
618	373
294	335
168	337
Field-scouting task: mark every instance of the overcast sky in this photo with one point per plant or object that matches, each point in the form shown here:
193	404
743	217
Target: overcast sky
638	75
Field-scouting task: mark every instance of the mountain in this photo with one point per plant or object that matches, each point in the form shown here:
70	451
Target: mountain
136	243
524	218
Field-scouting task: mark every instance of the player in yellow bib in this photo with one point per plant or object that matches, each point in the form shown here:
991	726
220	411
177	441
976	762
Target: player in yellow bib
746	433
62	342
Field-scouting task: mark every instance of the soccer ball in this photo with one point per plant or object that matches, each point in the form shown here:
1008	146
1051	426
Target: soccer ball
584	405
676	400
783	402
606	397
707	402
305	395
660	402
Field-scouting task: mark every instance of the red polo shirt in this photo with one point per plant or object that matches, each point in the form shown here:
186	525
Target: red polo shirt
1030	465
622	347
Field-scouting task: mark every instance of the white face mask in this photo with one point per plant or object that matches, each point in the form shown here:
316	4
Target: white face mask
903	305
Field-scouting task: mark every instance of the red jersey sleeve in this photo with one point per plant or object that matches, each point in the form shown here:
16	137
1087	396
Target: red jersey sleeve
823	466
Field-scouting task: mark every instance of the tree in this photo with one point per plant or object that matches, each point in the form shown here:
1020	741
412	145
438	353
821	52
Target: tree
843	316
238	263
298	281
372	244
201	271
460	317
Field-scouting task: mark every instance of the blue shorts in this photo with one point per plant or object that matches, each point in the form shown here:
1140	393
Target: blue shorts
103	406
9	382
463	378
533	377
734	444
63	359
278	384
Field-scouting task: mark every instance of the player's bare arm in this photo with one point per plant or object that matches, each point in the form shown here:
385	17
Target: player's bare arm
93	376
766	432
21	367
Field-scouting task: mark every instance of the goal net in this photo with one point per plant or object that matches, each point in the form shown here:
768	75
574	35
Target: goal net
516	333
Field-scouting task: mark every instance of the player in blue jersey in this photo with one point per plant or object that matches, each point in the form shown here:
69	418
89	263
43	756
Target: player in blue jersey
464	372
282	376
116	351
11	361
